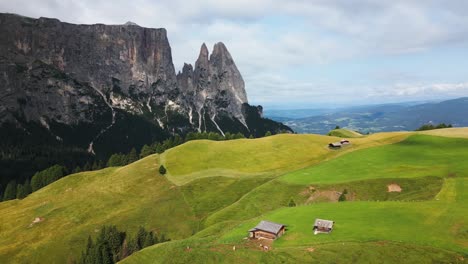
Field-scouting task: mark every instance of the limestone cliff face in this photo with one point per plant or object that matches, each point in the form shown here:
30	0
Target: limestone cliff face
130	66
215	86
69	75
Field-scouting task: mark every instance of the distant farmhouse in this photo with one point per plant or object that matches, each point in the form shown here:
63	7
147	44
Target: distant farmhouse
323	226
344	142
337	145
267	230
334	145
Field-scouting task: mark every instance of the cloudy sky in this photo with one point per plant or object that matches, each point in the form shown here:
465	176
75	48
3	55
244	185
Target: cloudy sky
305	53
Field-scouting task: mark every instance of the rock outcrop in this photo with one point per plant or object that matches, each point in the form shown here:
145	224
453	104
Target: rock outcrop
215	87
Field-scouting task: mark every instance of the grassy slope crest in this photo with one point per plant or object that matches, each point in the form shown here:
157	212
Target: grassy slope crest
214	188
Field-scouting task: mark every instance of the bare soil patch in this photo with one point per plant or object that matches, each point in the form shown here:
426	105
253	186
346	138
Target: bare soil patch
327	195
394	187
311	249
37	220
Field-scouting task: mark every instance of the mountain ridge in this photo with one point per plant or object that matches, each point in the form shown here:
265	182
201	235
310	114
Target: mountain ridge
86	87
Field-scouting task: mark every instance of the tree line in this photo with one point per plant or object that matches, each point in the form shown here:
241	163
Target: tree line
431	126
112	245
40	179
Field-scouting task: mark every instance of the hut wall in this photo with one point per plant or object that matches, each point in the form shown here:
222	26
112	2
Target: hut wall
264	235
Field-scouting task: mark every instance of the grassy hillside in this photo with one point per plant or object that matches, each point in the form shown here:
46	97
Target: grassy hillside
215	190
365	232
344	133
417	156
412	226
132	196
265	156
418	223
459	132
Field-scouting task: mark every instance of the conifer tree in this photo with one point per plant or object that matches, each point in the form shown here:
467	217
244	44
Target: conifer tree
77	169
162	170
149	240
132	156
20	191
95	166
10	191
146	151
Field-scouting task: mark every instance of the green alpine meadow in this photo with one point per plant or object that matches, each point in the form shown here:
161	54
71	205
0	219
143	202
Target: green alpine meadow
211	196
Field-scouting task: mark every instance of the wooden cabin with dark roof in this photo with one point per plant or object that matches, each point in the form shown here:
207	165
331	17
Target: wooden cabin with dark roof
334	145
323	226
267	230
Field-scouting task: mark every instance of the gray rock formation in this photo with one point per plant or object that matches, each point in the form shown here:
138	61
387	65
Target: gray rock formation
129	66
215	87
60	73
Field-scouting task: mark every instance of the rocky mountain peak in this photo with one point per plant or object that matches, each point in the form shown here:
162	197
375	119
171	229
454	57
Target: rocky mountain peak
203	56
130	23
220	50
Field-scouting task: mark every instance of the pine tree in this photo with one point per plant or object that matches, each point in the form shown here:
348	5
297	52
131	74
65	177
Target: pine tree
95	166
342	197
292	203
141	237
36	182
87	167
10	191
132	246
27	187
20	191
132	156
267	134
149	240
116	160
162	170
145	151
238	135
77	169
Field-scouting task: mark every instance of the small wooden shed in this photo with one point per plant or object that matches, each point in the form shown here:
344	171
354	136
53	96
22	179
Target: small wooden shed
334	145
267	230
344	142
323	226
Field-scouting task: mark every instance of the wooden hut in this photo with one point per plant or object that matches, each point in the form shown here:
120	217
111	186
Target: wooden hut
267	230
344	142
323	226
334	145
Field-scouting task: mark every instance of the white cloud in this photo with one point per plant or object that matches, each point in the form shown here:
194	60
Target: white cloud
420	90
314	32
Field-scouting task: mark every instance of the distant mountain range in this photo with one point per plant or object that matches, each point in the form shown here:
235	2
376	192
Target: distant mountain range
377	118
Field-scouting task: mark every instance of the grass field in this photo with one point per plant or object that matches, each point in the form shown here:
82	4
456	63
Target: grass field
417	156
215	191
242	158
203	251
418	222
344	133
459	132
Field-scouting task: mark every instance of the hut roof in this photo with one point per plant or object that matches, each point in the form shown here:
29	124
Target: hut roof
268	227
323	223
335	144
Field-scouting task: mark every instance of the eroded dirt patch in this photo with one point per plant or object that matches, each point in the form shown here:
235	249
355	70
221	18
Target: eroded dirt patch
394	187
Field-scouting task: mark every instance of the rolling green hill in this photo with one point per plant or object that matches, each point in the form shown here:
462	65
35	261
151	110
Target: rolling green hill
215	191
344	133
